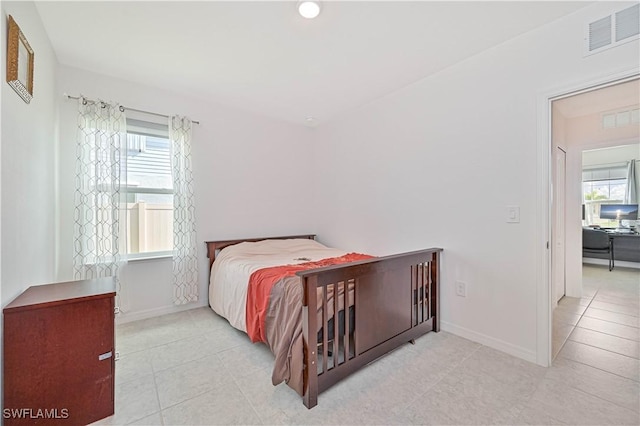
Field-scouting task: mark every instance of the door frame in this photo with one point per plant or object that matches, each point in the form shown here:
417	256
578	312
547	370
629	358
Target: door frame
554	229
544	213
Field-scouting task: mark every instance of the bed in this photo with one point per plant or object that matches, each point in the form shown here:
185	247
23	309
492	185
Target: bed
323	312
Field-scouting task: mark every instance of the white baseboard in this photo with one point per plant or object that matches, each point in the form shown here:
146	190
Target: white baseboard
125	317
605	262
489	341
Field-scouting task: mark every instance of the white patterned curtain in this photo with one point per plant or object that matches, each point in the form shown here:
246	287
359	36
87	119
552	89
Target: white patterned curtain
631	192
185	257
101	145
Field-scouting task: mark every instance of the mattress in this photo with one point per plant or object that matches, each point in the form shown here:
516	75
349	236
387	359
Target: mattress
234	265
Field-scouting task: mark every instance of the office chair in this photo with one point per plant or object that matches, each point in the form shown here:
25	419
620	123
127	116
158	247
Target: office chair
597	241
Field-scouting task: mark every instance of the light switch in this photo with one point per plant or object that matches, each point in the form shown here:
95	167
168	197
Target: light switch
513	214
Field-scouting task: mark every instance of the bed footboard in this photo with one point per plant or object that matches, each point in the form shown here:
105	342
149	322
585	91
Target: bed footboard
395	299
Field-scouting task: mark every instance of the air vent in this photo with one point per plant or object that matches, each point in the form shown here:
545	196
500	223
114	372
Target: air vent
613	30
600	33
620	118
628	23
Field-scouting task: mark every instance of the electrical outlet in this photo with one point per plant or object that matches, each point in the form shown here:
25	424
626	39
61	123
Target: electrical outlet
461	289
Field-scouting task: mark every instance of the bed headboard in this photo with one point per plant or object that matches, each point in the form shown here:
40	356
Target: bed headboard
214	246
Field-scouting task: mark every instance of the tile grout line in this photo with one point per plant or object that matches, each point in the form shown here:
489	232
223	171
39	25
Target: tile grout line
574	326
158	345
603	349
526	403
608	334
154	372
598	368
188	399
593	395
449	371
613	322
616	312
155	387
625	303
136	419
262	421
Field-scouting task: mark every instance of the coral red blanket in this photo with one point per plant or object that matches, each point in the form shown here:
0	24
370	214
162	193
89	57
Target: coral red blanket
262	280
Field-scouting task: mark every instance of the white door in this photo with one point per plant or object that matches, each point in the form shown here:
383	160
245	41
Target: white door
558	265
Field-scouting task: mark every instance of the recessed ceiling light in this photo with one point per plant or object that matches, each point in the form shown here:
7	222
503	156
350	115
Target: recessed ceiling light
309	9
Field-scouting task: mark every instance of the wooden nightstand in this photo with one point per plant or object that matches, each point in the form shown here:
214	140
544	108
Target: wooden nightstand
59	364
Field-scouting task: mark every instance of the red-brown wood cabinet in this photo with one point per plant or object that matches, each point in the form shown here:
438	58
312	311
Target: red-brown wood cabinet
58	347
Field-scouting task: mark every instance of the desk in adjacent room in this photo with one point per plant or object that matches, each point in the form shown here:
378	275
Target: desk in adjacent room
626	247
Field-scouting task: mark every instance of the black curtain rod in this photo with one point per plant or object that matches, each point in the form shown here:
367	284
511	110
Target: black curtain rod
130	109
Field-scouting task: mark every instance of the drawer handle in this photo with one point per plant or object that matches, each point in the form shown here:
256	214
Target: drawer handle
104	356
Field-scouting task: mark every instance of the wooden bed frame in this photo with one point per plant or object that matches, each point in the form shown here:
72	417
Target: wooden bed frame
395	299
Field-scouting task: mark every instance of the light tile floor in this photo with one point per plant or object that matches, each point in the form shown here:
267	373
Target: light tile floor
602	329
194	368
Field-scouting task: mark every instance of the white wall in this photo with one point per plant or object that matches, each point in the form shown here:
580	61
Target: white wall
587	130
27	144
251	179
436	164
616	154
28	150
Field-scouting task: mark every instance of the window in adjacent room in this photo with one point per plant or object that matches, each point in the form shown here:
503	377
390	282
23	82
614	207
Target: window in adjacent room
602	185
148	190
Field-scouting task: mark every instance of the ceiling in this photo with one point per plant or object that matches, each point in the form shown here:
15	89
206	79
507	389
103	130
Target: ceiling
263	57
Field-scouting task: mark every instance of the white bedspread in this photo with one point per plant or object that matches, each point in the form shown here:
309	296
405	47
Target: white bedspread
234	265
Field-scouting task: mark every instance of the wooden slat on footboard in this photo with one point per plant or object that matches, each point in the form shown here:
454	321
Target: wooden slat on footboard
395	301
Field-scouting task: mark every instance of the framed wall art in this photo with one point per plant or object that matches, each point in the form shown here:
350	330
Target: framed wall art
19	62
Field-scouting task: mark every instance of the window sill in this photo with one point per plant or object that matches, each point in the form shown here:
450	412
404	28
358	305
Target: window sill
149	257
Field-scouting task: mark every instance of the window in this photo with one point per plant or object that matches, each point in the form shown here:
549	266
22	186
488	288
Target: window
602	185
148	191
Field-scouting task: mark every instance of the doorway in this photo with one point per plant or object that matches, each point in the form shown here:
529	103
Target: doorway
580	120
